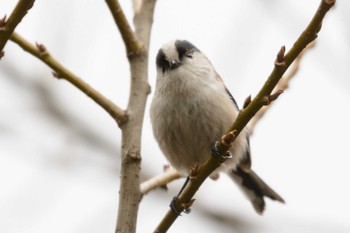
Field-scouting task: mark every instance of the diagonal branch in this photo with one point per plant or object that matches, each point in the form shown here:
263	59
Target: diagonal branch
307	36
163	179
283	84
160	180
132	44
7	27
60	71
264	97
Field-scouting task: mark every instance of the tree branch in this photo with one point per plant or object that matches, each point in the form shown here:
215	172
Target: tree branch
7	27
283	84
160	180
136	44
143	19
60	71
264	97
132	44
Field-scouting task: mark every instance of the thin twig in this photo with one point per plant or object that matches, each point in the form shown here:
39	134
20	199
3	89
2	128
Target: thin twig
283	84
160	180
132	44
264	97
60	71
8	26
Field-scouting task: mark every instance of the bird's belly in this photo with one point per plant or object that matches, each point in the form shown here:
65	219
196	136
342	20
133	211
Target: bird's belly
191	130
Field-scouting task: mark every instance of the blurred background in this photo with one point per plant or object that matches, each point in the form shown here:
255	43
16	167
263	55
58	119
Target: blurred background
59	151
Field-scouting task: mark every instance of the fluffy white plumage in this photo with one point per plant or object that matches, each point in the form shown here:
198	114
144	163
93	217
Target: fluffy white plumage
191	109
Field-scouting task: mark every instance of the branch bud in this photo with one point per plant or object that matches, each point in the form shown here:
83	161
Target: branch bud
247	101
268	99
56	75
228	138
275	95
194	171
42	49
265	101
280	57
186	206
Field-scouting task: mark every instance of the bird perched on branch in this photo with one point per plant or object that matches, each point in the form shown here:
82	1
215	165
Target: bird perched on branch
191	109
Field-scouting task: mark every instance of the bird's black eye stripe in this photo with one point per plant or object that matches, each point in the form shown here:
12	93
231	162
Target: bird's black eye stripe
185	48
189	54
161	61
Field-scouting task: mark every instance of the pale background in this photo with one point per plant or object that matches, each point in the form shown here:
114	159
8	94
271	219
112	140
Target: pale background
59	151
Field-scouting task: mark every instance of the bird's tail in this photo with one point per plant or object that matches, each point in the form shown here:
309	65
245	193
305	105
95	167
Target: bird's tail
254	188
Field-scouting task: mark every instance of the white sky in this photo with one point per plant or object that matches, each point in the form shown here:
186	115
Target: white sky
59	152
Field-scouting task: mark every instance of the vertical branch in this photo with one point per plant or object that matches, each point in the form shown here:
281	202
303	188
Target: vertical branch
136	44
143	19
7	27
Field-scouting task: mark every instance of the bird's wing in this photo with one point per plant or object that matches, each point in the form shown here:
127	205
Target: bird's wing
227	91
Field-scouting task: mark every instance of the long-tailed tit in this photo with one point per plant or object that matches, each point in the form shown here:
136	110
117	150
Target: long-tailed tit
191	109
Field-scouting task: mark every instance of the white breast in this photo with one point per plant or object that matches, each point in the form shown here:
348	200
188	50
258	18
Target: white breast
189	112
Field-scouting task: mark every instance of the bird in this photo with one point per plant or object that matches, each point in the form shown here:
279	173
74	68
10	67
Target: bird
191	109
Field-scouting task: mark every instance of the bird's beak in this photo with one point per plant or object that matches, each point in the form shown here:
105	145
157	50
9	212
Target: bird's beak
174	64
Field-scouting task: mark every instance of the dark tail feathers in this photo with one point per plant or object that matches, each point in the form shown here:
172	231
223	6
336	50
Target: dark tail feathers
254	187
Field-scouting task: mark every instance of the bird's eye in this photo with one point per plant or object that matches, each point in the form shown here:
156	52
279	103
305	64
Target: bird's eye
189	53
